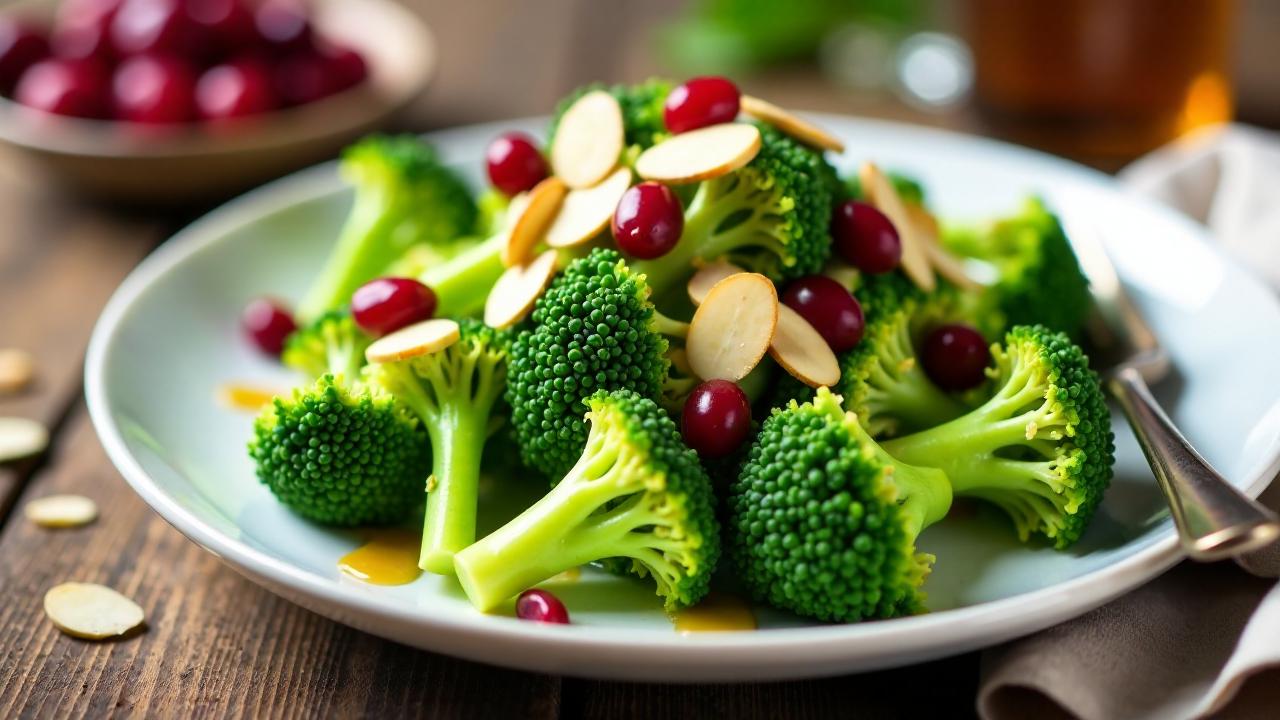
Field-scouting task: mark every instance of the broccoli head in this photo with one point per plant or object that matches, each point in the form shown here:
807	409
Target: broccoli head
636	497
1041	449
332	343
823	522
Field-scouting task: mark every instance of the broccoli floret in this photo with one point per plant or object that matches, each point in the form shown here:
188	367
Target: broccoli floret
823	522
636	496
1041	448
642	115
333	344
341	453
453	392
404	197
1037	276
594	329
772	216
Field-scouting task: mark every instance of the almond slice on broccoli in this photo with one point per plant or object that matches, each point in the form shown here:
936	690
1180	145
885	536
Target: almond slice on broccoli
732	328
793	125
589	140
700	154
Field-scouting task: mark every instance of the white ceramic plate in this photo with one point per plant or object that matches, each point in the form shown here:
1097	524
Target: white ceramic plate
169	338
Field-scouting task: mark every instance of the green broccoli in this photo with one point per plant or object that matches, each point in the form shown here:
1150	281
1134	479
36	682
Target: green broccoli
772	216
642	111
823	522
404	196
1041	448
636	495
453	392
594	329
332	343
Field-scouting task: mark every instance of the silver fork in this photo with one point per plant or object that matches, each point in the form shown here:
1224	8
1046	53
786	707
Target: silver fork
1214	519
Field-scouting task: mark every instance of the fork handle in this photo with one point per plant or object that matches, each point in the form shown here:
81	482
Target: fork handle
1214	519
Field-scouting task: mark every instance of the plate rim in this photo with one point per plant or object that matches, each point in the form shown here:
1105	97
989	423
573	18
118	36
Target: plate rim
818	650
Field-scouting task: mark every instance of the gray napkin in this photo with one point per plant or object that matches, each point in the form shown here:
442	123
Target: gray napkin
1199	640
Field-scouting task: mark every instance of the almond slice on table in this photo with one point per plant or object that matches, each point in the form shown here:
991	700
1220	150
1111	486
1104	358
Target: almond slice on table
90	611
17	369
700	154
414	340
801	350
707	276
61	511
791	124
882	194
733	327
584	213
589	140
531	225
20	438
515	293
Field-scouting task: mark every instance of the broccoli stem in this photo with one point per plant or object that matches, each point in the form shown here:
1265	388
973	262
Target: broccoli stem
457	443
462	284
354	259
916	401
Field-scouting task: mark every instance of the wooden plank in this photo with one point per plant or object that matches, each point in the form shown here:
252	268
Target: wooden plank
215	645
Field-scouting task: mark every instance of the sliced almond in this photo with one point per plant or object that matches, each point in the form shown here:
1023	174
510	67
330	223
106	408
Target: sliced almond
20	437
513	296
732	328
61	511
421	338
589	140
91	612
707	277
701	154
801	350
585	213
531	225
791	124
17	368
947	265
882	194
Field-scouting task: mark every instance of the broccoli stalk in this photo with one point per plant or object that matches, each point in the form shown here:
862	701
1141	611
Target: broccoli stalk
636	494
404	197
1041	448
453	392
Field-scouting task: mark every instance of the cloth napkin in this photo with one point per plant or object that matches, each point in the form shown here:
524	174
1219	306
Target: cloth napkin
1202	639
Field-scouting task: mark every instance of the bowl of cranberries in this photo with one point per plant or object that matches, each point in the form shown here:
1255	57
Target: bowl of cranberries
161	101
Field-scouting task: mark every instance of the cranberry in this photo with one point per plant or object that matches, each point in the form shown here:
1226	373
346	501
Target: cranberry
267	325
65	87
154	90
829	308
716	418
388	304
22	44
157	26
866	238
514	163
302	78
72	11
648	221
347	68
541	606
700	102
234	90
284	25
955	357
84	39
227	23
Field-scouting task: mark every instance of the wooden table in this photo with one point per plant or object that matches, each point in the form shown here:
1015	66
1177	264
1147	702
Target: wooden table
218	645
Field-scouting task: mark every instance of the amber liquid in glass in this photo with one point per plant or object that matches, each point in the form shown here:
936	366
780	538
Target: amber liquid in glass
1101	80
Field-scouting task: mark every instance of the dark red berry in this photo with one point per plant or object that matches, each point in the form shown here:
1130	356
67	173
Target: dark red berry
955	357
284	25
77	88
228	24
514	163
866	238
158	26
829	308
648	221
301	78
154	90
541	606
84	40
347	68
235	89
700	102
716	418
267	325
388	304
22	44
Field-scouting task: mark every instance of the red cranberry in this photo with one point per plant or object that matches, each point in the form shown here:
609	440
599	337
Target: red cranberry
284	25
716	418
301	78
227	23
76	88
829	308
154	90
866	238
700	102
388	304
22	44
158	26
84	40
514	162
233	90
267	325
347	68
955	357
72	11
541	606
648	221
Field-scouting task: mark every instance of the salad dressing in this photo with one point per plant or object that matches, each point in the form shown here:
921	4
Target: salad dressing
716	613
388	557
239	396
